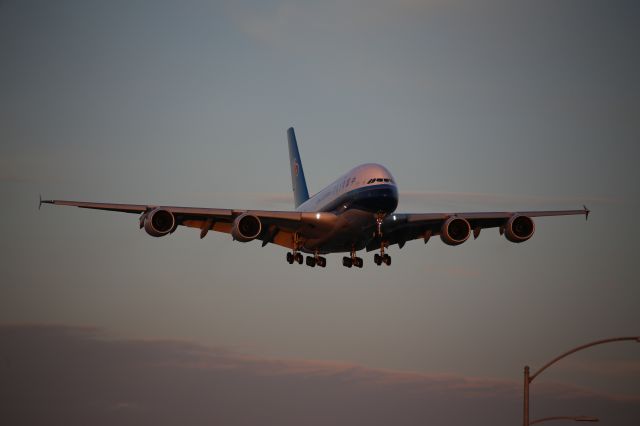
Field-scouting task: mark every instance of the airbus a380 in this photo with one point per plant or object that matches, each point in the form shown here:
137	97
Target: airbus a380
355	212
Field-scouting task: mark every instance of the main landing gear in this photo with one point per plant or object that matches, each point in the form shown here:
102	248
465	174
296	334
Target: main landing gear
316	260
353	260
311	260
297	257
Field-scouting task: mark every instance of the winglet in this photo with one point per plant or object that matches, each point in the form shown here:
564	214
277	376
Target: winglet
586	212
41	201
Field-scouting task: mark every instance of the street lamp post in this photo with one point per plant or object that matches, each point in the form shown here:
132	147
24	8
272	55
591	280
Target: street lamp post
528	378
575	419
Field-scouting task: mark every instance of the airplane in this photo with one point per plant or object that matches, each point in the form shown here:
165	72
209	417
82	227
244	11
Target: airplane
355	212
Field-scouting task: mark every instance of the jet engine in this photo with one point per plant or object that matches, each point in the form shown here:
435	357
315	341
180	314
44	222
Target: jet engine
455	230
519	228
246	227
159	222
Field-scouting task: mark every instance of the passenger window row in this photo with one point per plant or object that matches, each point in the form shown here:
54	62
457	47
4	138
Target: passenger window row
379	180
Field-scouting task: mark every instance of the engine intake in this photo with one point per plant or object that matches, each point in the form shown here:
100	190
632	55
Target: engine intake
455	231
519	228
246	227
159	222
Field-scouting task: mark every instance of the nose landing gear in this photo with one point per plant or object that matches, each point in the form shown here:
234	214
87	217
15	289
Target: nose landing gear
381	258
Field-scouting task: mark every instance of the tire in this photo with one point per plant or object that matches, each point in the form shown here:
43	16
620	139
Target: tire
290	258
299	258
311	261
346	261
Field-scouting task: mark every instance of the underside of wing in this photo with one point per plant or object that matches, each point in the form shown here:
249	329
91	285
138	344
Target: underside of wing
277	227
455	228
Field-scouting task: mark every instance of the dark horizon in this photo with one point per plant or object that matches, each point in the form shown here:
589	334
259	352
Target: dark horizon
81	375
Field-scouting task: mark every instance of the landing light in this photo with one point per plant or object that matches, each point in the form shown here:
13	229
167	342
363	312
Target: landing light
317	215
394	217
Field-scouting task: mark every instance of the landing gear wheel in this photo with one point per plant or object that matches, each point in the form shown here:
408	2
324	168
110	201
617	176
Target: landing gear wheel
386	259
298	257
311	261
357	262
321	261
290	258
377	259
346	261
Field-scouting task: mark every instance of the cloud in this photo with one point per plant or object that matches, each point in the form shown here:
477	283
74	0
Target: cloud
79	375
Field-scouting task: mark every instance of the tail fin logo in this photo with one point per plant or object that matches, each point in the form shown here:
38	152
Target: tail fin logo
296	167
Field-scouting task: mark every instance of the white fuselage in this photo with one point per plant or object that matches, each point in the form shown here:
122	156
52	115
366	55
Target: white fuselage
355	198
369	187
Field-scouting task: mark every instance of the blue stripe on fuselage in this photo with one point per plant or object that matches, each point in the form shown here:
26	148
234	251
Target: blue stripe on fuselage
373	198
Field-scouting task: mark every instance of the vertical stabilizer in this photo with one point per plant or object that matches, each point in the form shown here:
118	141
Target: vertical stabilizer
300	192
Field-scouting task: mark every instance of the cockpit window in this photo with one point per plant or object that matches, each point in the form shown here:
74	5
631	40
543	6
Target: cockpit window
379	180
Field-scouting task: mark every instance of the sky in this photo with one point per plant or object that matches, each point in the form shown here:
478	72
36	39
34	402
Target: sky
490	105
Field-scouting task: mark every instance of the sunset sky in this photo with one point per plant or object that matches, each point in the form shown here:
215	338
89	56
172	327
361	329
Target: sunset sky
472	105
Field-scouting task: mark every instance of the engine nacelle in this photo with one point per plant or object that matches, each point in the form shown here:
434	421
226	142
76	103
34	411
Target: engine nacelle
455	231
246	227
519	228
159	222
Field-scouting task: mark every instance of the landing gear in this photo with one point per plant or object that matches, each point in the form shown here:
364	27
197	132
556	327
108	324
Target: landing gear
316	259
353	260
381	258
295	255
295	258
379	220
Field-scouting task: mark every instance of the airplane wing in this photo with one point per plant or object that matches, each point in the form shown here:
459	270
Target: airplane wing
277	227
402	227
